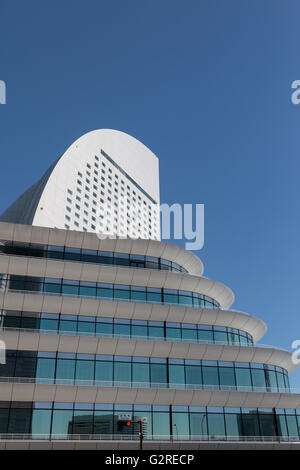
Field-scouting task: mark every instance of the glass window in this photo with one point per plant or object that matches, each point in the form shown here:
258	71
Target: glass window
25	366
8	369
105	292
281	425
170	298
140	373
86	327
82	422
103	422
151	264
121	259
210	375
104	328
158	375
31	322
227	377
193	375
185	299
216	425
139	330
153	297
243	340
258	379
104	372
139	296
48	324
122	328
41	423
19	420
189	335
267	424
45	368
250	424
233	338
65	369
280	380
205	335
161	425
52	288
146	418
220	337
173	333
10	321
72	254
55	252
85	370
106	257
4	420
243	378
292	425
86	291
180	423
176	375
122	373
62	422
156	331
233	424
122	293
68	326
198	424
69	289
286	382
271	380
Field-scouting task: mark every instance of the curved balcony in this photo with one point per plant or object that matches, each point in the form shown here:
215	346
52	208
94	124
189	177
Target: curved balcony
82	344
146	385
89	273
31	302
42	236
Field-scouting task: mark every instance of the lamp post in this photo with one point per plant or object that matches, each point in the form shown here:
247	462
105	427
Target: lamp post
141	434
176	428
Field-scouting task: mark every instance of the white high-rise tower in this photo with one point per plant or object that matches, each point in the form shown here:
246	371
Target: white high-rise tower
106	182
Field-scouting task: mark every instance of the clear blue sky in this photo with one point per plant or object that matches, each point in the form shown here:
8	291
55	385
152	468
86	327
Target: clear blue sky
206	85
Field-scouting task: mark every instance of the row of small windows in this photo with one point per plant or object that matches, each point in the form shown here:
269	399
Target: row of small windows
134	195
107	291
121	209
159	421
117	327
89	256
130	221
95	179
108	230
135	371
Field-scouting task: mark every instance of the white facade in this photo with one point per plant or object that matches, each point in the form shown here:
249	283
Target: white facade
106	182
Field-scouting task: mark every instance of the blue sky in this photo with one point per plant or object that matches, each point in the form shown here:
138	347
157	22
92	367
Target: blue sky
206	85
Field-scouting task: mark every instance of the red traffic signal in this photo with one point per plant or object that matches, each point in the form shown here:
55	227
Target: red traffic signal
124	423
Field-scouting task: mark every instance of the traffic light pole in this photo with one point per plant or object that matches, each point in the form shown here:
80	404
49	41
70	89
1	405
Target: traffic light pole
125	419
140	433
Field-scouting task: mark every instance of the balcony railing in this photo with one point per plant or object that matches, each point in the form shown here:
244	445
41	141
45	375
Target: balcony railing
138	337
209	306
156	385
135	437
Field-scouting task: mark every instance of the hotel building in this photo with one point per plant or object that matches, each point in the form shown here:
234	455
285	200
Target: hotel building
95	327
